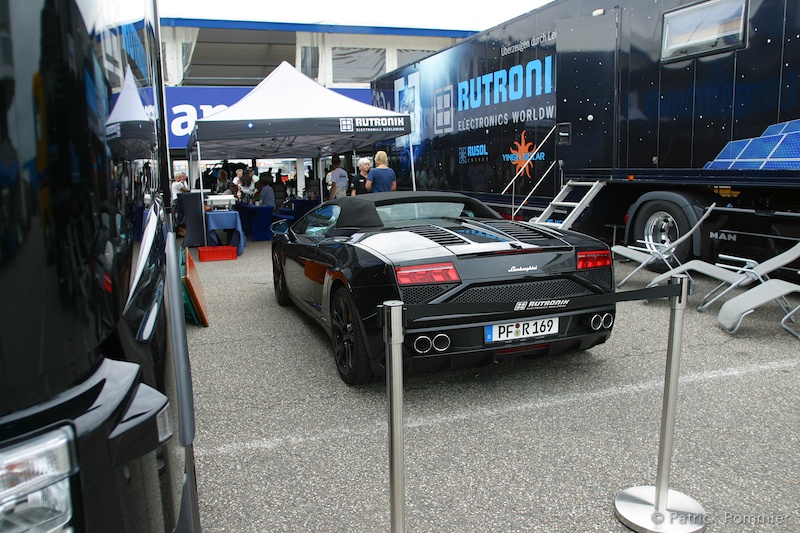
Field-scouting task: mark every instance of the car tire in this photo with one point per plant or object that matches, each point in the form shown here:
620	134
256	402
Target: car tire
279	280
662	222
349	349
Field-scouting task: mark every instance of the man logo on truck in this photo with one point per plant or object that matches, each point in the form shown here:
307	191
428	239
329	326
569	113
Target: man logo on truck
722	236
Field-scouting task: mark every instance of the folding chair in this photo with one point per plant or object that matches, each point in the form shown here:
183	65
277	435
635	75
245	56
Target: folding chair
734	310
658	251
732	276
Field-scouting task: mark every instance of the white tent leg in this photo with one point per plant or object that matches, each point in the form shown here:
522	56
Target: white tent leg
355	166
300	176
321	177
411	155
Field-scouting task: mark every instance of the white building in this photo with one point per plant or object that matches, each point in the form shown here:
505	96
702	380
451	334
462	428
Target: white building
242	53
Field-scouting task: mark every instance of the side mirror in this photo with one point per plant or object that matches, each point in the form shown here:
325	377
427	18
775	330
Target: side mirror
280	227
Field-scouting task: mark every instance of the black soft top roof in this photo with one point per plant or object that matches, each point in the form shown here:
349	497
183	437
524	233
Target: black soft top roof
360	211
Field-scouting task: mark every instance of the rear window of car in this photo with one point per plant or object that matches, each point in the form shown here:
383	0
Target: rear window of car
422	210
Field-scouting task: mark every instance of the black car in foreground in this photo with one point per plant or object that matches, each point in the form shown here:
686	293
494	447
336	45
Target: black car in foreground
477	288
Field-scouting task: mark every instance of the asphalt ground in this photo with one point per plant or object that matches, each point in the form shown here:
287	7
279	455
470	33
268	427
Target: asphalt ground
543	444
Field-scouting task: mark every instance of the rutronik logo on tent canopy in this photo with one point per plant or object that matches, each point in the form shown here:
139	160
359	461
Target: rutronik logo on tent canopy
346	125
381	124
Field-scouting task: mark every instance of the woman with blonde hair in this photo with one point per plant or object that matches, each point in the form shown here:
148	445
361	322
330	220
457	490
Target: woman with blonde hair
381	178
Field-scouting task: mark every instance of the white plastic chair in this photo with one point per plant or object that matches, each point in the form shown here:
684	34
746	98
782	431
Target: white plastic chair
734	310
731	276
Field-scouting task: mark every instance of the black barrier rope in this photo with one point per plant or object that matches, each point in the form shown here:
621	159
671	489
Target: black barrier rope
661	291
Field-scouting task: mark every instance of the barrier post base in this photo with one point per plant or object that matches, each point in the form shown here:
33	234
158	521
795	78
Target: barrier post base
636	508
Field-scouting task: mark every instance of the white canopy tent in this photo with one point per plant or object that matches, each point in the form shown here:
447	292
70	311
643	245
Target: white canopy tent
129	129
290	115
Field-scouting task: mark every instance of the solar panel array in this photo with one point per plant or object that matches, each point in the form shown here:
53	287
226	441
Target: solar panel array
778	148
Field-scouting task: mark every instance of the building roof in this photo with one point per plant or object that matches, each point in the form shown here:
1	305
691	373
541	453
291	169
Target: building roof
409	14
239	42
229	52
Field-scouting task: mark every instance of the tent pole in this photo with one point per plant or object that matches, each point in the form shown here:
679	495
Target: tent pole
321	177
355	166
202	198
411	154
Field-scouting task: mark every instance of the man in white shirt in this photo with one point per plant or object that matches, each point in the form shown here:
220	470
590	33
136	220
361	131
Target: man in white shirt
179	186
339	179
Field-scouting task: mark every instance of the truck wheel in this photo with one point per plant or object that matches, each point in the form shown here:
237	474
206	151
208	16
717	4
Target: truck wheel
662	222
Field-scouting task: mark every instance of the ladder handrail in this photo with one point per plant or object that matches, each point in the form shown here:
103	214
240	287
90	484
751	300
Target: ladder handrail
546	172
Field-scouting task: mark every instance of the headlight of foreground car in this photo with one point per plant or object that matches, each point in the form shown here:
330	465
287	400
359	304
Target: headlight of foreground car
34	482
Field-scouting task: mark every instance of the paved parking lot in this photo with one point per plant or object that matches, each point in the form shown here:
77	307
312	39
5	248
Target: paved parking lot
534	445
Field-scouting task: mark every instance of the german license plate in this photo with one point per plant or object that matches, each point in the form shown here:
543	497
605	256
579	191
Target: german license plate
523	329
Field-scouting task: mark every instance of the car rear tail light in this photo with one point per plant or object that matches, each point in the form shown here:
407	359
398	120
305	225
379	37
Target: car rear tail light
34	482
595	259
431	273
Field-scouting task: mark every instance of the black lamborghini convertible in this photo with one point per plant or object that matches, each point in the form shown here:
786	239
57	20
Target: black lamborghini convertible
476	288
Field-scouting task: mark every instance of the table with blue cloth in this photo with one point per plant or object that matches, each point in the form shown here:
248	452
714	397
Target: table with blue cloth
256	221
225	220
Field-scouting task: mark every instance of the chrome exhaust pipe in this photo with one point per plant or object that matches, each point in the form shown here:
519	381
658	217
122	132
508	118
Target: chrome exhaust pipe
423	344
441	342
604	321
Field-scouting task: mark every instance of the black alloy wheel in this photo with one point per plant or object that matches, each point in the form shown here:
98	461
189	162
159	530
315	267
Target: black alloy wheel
279	280
349	350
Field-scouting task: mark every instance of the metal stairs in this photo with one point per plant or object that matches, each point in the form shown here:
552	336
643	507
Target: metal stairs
590	190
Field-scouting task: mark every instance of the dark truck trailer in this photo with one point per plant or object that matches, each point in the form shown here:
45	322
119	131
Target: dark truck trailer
674	104
96	416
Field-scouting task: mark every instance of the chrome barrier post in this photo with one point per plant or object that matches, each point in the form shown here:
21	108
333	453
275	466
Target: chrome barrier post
658	509
393	333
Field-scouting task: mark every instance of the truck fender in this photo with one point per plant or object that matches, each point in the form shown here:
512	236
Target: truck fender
691	203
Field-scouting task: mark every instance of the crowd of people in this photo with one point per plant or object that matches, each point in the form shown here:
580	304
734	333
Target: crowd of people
367	179
271	189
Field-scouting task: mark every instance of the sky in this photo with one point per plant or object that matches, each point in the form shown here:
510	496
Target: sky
403	14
